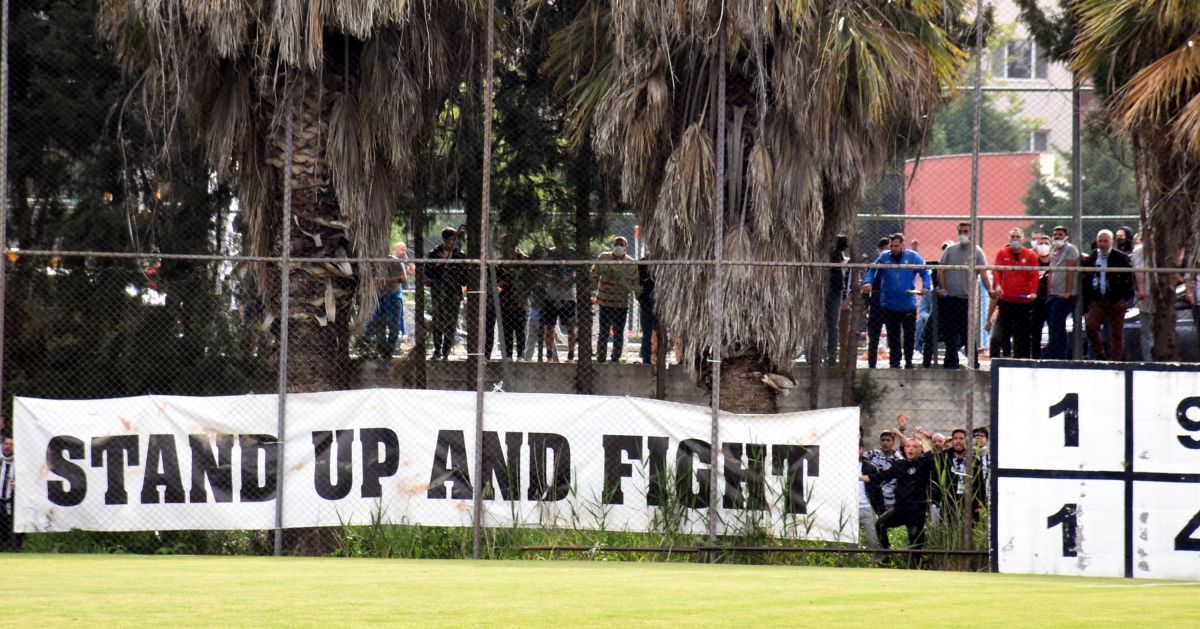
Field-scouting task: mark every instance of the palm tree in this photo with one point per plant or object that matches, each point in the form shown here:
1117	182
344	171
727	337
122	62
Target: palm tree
820	94
357	86
1144	58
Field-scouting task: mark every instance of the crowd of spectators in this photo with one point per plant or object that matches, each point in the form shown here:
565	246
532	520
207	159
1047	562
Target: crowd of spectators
1027	308
530	305
923	307
923	482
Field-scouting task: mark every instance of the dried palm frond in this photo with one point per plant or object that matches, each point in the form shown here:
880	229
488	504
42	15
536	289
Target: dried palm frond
634	116
833	81
735	150
347	153
232	66
227	126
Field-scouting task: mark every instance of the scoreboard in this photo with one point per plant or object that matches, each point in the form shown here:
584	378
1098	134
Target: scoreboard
1096	469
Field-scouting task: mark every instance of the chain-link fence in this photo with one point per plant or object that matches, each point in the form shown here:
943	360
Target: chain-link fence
151	251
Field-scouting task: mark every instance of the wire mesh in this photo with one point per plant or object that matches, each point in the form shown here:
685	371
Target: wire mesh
126	274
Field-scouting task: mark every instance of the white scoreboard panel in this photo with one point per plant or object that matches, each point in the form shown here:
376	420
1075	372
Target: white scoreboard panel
1096	469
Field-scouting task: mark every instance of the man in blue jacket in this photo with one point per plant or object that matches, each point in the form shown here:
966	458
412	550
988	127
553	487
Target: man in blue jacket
897	296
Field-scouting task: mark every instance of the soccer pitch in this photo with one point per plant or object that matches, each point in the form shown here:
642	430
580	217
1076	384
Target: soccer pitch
94	590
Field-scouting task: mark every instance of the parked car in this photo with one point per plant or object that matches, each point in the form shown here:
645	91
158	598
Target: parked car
1185	326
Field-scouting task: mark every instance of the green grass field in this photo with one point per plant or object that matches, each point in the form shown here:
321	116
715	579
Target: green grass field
108	590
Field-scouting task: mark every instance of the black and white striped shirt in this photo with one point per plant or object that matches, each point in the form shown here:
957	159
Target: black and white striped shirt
6	484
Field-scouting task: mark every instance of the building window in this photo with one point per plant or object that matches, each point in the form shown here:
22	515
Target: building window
1019	59
1039	140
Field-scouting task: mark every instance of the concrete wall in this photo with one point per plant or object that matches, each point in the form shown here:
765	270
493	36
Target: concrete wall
933	398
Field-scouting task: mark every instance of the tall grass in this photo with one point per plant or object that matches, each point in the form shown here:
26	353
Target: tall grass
669	528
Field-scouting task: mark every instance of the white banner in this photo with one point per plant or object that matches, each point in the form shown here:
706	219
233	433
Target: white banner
407	456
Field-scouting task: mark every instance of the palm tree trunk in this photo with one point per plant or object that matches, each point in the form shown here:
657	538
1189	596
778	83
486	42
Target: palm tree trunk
1169	228
320	295
585	369
742	390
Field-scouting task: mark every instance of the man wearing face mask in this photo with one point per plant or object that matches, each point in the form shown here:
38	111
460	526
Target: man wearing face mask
955	292
1043	249
1106	296
1060	293
1017	290
613	284
896	296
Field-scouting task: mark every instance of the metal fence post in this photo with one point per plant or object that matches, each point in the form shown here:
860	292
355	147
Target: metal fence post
4	415
1077	212
973	281
718	250
284	289
484	250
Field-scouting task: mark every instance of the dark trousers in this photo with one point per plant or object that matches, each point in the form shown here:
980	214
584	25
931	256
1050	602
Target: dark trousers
952	313
512	330
909	516
9	541
900	321
443	325
649	325
1112	315
874	327
1057	311
833	308
1037	320
612	321
1016	319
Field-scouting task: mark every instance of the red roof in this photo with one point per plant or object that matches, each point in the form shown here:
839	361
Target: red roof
942	187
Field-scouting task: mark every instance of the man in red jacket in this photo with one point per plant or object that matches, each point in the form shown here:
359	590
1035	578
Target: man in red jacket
1017	291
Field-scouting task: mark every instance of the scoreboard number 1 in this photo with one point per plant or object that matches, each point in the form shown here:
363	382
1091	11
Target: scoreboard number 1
1068	407
1066	517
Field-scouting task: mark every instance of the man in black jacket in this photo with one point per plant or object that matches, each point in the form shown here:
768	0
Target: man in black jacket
836	296
1106	297
646	311
446	283
913	476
